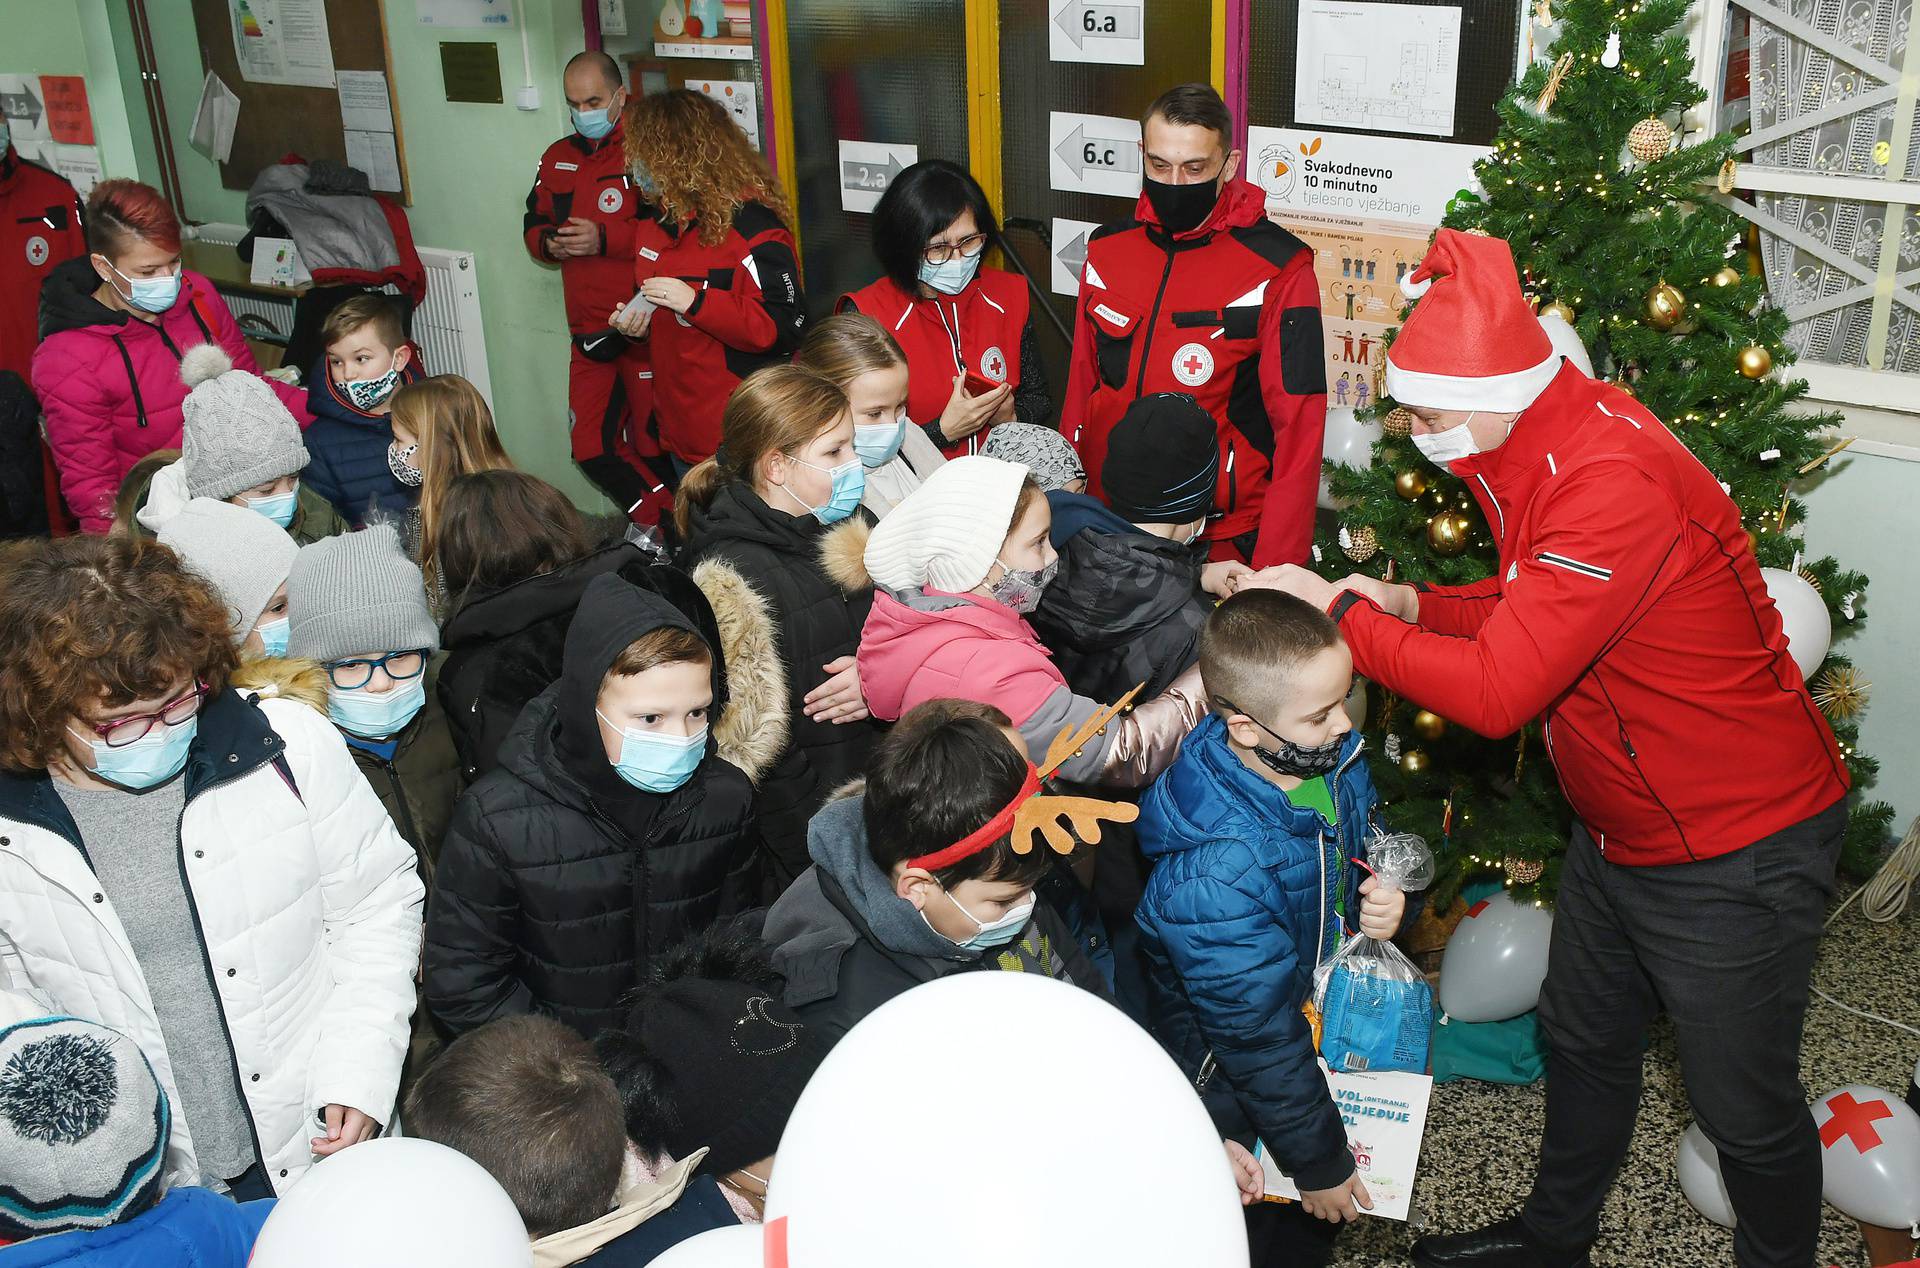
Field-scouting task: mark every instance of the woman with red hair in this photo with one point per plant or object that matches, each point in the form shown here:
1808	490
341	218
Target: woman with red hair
114	325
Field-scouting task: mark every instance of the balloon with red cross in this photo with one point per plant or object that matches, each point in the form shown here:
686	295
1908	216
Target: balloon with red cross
1870	1155
1698	1163
1496	960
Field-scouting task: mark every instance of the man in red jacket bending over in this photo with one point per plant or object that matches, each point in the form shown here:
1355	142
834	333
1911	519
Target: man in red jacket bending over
1200	293
1710	794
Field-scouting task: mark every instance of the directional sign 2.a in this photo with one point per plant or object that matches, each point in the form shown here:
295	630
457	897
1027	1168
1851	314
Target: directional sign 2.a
867	168
1109	31
1094	154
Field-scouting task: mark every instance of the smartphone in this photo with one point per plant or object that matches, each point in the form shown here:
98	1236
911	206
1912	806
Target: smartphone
637	305
978	385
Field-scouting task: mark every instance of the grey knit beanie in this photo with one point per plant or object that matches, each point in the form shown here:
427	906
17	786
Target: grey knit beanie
1041	450
242	554
237	434
355	594
83	1128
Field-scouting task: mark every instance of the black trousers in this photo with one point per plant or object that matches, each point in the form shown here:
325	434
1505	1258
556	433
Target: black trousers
1726	947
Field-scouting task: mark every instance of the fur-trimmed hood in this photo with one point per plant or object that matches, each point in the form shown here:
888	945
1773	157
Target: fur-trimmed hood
752	730
843	551
283	678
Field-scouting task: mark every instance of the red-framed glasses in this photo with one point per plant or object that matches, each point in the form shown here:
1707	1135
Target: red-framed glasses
120	732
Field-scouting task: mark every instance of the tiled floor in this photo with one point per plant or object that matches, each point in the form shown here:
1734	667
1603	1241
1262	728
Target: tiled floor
1478	1158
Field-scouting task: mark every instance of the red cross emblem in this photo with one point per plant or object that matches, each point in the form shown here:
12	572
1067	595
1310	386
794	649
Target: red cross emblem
37	251
610	199
1193	364
993	364
1854	1120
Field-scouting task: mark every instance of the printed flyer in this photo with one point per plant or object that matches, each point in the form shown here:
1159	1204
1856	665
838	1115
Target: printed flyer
1386	1117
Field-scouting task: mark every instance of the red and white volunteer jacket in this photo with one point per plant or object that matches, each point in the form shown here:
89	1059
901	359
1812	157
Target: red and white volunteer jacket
39	227
983	329
748	313
1629	610
589	179
1230	313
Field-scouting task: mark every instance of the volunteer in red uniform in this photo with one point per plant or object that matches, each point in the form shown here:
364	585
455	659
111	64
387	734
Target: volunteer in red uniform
1200	293
40	225
586	215
722	292
972	360
1711	798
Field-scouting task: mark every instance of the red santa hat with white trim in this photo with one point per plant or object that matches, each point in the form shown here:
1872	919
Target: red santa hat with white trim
1471	342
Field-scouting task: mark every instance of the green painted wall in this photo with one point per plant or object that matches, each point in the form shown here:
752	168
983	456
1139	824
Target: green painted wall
74	37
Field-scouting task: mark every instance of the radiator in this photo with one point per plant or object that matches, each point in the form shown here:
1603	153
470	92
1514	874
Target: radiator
446	325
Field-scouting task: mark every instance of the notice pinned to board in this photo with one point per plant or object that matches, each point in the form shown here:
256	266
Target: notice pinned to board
214	119
1377	67
282	42
375	154
69	121
1385	1116
364	103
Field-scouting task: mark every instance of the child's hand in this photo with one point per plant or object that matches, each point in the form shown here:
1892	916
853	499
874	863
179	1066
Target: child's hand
346	1127
1222	576
838	699
1380	909
1246	1173
1338	1203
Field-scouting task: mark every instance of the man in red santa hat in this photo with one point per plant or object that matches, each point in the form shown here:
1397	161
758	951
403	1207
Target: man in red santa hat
1629	614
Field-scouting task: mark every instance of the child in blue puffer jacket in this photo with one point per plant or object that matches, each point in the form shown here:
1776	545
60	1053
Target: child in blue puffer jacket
1250	833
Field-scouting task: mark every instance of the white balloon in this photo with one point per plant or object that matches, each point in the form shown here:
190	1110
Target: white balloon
1870	1155
1566	341
1495	961
1804	614
1349	443
1698	1163
736	1246
394	1203
953	1091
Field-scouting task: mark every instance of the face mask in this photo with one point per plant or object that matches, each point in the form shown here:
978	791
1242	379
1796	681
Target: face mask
367	393
643	180
997	933
152	759
1181	208
593	124
1444	448
1292	760
848	487
398	462
952	277
374	716
278	507
877	443
273	636
1020	589
149	294
657	763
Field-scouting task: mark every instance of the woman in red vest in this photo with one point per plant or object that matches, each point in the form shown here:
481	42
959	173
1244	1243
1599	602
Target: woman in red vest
972	362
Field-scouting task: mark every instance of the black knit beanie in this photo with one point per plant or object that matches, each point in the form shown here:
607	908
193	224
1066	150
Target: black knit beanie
1162	461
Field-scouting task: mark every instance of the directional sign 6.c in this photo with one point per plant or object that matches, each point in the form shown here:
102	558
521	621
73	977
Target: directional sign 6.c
1094	154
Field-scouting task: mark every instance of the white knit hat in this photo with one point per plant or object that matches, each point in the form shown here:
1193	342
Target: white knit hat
947	532
244	555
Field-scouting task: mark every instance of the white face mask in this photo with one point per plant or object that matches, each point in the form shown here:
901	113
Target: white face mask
1444	448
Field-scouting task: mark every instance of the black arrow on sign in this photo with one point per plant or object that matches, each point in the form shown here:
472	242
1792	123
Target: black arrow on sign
21	105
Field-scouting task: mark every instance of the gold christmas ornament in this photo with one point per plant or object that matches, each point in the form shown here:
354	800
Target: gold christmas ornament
1555	308
1726	277
1399	423
1522	871
1428	725
1727	171
1555	77
1626	387
1361	544
1666	306
1649	139
1841	692
1410	484
1414	760
1447	532
1755	361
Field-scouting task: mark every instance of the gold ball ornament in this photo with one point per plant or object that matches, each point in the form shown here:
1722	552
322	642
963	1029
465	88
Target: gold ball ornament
1428	725
1626	387
1359	544
1414	760
1410	484
1649	139
1755	361
1555	308
1447	532
1666	306
1399	423
1522	871
1726	277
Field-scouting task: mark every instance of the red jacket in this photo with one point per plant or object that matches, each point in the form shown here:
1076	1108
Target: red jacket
39	227
578	177
1230	313
982	329
748	313
1628	608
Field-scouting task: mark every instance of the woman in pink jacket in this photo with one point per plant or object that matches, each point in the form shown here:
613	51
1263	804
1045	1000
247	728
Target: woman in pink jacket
113	327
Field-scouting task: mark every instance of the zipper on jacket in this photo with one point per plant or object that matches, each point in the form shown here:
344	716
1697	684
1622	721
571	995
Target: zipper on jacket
406	811
1333	795
1233	485
1146	341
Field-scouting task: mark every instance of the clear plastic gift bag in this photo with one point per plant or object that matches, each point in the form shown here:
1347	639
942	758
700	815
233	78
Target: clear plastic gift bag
1376	1009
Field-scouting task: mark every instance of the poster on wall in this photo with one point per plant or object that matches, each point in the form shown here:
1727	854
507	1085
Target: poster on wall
26	114
1093	154
1383	67
740	98
867	168
69	121
1107	31
1069	253
282	42
463	13
80	164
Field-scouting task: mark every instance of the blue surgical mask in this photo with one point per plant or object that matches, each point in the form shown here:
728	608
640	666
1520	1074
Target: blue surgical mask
593	124
368	393
376	715
273	636
278	507
152	759
993	933
877	443
952	277
150	294
657	763
849	486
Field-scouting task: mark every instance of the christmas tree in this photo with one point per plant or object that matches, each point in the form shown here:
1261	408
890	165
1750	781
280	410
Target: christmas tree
1615	230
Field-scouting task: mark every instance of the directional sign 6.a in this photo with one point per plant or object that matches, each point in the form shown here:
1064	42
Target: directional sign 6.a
867	168
1094	154
1109	31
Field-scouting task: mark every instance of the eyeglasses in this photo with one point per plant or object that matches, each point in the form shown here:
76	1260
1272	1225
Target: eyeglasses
942	252
120	732
351	675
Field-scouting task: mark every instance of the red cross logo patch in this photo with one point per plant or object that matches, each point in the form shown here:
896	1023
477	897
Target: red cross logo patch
611	198
1193	364
1853	1120
37	251
993	364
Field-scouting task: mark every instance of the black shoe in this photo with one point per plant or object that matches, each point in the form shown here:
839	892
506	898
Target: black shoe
1507	1244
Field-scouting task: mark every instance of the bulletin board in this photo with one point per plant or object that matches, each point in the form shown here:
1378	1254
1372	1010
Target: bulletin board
278	119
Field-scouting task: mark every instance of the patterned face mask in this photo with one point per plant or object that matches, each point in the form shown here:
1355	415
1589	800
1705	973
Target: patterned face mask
400	462
1021	588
